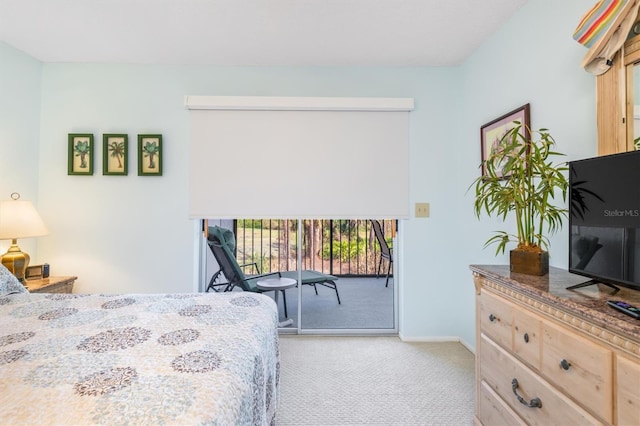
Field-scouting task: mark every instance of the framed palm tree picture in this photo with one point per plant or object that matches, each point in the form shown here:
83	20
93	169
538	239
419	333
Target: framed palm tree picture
149	155
80	154
115	159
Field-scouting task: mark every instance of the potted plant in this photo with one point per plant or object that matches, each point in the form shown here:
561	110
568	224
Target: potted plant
521	178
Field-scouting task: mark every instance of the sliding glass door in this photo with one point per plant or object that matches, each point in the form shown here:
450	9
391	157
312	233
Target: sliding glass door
345	274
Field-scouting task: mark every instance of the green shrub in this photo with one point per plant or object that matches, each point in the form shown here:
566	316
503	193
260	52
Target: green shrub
250	223
345	250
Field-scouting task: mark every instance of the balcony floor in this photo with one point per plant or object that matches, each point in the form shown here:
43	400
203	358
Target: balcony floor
366	304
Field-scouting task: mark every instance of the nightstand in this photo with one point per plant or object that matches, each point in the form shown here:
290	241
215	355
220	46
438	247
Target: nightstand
51	285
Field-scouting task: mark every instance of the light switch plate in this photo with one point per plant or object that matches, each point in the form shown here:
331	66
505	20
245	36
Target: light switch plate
422	209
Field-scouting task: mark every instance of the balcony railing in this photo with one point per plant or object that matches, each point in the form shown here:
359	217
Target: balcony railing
336	247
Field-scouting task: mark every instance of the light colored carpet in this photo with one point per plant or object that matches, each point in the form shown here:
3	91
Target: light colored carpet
374	381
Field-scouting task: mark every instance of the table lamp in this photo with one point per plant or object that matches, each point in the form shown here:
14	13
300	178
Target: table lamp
18	219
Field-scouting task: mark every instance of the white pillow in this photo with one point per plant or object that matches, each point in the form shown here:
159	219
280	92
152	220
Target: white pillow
9	284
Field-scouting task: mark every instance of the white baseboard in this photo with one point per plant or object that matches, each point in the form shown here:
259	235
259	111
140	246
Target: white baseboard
438	339
429	338
468	346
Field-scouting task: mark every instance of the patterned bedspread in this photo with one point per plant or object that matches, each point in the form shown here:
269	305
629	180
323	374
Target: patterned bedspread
188	359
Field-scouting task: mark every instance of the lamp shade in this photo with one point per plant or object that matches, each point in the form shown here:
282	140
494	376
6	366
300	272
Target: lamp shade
19	219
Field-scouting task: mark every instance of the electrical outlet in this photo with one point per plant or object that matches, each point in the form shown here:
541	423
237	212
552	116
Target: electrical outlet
422	209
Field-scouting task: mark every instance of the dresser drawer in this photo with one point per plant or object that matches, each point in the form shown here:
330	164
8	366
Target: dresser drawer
499	369
579	367
526	337
496	319
628	395
493	411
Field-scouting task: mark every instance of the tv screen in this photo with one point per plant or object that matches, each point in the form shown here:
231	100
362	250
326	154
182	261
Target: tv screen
604	218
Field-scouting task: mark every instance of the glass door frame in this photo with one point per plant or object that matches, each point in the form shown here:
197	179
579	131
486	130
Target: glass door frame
200	284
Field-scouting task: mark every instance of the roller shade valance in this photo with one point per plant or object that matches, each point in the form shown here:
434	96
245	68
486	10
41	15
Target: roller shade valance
261	157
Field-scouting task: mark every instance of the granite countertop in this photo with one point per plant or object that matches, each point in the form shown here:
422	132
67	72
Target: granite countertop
588	303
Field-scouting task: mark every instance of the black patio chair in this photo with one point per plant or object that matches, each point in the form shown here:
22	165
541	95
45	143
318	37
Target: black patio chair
385	250
224	237
221	242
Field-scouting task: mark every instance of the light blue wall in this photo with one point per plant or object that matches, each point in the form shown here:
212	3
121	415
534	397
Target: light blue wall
19	131
136	228
532	59
131	234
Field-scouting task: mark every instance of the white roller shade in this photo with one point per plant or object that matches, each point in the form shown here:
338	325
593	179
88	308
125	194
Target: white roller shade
299	157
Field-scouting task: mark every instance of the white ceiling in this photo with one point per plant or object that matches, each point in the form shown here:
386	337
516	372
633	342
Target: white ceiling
253	32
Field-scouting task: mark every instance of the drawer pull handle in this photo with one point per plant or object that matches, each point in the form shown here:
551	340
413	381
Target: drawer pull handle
535	402
565	364
492	317
526	337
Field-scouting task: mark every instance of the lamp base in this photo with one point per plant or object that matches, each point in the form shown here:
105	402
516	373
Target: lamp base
16	261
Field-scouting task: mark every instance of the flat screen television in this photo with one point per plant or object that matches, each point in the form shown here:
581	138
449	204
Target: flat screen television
604	219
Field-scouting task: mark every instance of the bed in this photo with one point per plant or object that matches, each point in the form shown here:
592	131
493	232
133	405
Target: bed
202	358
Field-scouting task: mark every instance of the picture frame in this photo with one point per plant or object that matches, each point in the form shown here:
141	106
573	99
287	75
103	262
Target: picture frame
115	150
492	132
80	154
149	155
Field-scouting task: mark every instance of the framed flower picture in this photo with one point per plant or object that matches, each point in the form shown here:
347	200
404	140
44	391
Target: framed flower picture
491	134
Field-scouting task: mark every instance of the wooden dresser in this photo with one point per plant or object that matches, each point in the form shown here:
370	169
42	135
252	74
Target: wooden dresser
550	356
